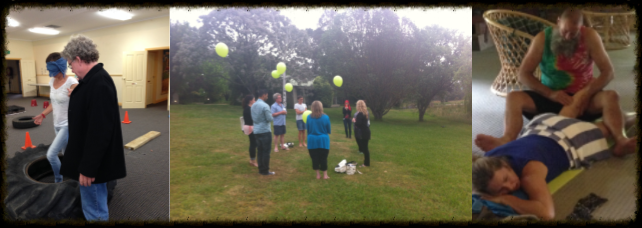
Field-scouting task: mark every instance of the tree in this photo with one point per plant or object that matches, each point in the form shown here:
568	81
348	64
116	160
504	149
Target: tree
257	41
184	57
323	91
437	75
372	51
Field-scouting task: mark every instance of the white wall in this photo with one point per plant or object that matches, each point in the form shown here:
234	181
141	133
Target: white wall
112	42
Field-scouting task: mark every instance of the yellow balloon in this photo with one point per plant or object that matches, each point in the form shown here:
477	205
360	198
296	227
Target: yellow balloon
221	49
288	87
338	81
305	116
280	68
275	74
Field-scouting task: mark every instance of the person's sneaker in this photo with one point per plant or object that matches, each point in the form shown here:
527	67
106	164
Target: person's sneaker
267	174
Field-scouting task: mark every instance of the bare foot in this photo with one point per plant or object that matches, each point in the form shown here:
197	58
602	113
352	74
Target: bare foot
254	164
276	149
487	142
625	146
305	145
326	177
300	145
318	176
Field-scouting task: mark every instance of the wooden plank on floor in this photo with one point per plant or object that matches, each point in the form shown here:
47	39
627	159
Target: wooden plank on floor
140	141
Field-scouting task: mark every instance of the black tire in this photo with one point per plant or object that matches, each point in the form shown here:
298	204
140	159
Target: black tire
24	122
29	199
14	109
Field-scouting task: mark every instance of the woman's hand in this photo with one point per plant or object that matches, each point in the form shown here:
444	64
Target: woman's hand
353	120
37	119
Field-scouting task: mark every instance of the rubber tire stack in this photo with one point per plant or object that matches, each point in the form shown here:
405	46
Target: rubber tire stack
28	199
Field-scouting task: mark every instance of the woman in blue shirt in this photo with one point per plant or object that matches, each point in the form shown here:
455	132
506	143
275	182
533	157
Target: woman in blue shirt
318	125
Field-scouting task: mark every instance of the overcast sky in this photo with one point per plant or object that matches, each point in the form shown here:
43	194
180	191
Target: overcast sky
452	18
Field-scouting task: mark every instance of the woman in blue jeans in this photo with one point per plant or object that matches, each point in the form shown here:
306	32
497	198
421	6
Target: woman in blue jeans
61	86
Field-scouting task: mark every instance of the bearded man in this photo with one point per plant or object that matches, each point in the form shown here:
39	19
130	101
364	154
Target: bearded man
565	54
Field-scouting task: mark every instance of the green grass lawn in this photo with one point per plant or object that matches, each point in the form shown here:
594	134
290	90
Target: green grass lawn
419	171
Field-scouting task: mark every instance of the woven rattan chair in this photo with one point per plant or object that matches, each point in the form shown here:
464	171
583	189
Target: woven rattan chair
512	33
613	27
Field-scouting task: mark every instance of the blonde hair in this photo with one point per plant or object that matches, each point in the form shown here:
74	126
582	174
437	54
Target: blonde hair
361	107
317	109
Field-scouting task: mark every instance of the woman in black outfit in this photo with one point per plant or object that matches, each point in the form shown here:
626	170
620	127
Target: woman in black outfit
248	101
362	131
347	123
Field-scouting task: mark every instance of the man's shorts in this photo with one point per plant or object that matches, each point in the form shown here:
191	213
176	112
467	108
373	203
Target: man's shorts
545	105
300	125
279	130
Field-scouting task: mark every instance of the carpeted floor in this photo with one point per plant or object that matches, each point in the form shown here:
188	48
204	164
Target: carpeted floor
614	179
144	193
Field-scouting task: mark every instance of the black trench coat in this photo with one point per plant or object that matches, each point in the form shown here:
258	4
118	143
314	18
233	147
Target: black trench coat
95	146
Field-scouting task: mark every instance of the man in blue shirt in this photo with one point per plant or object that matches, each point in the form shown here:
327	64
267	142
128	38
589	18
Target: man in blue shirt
279	112
262	117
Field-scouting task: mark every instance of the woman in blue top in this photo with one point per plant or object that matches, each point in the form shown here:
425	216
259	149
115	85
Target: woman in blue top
318	125
532	161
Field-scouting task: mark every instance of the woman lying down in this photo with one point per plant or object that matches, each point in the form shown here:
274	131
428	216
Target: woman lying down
516	174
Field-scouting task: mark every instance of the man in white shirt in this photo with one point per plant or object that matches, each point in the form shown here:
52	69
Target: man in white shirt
299	108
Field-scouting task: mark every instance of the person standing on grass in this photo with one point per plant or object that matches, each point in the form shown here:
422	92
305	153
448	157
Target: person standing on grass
94	154
60	85
248	128
299	108
362	131
278	113
347	124
318	125
262	117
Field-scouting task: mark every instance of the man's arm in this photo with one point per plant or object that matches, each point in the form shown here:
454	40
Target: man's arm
268	115
601	59
540	201
529	65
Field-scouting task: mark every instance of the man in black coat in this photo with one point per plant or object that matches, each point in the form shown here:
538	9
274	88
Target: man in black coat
94	153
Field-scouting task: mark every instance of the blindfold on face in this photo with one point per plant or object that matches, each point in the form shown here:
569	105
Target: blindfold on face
58	66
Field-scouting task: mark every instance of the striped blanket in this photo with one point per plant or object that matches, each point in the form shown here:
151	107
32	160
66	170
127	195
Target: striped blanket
583	142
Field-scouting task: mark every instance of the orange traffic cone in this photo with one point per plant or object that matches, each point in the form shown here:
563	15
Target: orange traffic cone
28	143
126	121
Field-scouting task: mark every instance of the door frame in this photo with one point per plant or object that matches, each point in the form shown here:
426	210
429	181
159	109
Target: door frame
20	70
154	83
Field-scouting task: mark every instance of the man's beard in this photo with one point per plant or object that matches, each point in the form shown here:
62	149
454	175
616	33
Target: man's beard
560	46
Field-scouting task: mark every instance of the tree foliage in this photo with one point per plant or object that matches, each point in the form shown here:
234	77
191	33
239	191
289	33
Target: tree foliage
257	41
323	91
383	59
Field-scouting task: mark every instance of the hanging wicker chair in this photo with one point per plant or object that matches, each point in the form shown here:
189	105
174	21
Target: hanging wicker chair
613	27
512	33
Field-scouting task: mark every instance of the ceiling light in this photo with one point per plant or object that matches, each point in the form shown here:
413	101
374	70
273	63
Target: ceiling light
46	31
116	14
12	22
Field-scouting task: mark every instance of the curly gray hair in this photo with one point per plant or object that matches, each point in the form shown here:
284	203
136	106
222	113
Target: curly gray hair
276	95
80	46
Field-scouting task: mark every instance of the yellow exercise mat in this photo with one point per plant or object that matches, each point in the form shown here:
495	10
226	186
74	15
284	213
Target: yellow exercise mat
562	179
